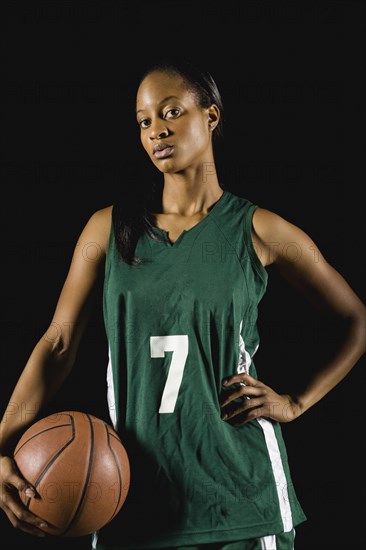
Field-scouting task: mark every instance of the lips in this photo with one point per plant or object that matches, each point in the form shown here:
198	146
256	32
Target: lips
162	150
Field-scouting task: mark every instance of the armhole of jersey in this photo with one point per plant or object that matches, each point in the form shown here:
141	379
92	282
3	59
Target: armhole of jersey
249	242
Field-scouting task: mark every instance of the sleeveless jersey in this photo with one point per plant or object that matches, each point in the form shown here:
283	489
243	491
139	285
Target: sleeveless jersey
177	325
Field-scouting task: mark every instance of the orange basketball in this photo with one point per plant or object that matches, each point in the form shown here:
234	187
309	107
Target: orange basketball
79	468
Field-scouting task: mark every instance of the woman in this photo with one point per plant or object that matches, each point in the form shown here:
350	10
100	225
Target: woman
184	272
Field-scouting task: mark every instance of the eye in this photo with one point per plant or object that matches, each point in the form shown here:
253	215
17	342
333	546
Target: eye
144	123
172	113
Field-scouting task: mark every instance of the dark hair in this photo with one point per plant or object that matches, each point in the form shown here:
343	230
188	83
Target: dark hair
199	81
132	216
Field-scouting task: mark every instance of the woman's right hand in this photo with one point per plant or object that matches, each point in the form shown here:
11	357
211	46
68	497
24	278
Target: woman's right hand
11	483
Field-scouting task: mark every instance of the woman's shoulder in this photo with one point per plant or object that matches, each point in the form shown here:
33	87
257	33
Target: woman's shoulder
105	213
264	220
99	226
268	223
275	235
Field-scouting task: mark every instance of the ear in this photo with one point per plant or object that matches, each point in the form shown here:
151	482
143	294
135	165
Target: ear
213	116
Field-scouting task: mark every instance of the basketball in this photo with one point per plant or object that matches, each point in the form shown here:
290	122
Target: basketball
79	468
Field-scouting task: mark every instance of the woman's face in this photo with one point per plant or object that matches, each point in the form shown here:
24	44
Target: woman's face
174	129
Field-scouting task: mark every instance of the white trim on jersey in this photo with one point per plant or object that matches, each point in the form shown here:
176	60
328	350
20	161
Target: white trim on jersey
112	413
272	444
110	392
268	542
244	357
278	472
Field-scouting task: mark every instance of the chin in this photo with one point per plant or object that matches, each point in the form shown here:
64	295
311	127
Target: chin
168	170
166	166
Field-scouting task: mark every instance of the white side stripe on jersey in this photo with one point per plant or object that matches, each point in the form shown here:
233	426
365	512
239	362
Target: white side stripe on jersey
244	357
112	413
268	542
278	472
110	392
272	446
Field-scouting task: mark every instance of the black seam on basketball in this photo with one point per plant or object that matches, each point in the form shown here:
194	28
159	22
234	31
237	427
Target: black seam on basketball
86	483
115	437
118	470
37	434
40	477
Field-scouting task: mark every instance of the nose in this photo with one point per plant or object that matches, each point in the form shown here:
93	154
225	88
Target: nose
158	130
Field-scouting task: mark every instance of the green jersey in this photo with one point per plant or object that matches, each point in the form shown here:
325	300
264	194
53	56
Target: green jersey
177	325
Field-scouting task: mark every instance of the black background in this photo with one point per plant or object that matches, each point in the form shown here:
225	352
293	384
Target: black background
291	78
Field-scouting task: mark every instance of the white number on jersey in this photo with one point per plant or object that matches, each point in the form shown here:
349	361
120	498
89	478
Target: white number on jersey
178	344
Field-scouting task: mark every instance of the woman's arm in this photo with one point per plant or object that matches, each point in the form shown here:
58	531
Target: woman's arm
300	262
52	357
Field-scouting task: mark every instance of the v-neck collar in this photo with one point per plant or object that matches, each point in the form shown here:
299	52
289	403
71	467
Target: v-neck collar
198	225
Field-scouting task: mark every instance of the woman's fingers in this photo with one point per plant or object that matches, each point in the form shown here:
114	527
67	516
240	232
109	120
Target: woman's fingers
245	398
242	377
11	485
21	485
243	407
19	515
243	391
245	386
24	524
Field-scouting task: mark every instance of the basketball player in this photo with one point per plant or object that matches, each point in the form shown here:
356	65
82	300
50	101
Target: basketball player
184	272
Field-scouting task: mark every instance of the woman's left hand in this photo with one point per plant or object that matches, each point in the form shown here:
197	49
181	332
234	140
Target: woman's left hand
257	400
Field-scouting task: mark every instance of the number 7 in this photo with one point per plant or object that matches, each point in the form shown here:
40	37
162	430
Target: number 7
178	344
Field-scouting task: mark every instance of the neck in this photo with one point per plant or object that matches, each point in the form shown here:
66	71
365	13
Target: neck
191	194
